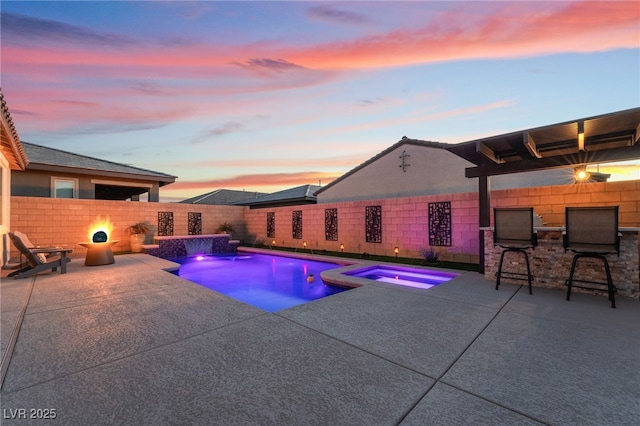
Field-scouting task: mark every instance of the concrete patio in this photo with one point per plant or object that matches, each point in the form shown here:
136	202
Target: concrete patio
130	343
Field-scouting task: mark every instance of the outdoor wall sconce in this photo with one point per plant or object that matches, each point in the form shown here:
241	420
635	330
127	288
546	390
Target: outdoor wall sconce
581	174
304	244
396	250
342	248
273	243
581	135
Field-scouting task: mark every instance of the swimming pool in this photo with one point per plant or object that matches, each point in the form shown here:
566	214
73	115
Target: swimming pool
410	277
268	282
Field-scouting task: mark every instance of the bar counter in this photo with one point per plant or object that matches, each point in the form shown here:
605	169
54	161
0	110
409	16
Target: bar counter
550	264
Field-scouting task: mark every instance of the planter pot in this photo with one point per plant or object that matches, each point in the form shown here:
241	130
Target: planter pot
136	241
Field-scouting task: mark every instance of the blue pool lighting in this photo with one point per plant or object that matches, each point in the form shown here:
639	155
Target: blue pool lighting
268	282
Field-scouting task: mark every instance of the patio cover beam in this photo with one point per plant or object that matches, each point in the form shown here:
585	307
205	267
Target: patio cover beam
577	158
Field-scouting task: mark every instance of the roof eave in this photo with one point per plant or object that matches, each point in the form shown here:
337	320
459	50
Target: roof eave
165	179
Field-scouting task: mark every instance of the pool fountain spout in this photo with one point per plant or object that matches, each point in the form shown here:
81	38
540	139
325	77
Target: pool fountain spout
198	246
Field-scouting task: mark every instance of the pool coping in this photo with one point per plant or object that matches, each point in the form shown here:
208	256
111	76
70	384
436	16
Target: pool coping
338	276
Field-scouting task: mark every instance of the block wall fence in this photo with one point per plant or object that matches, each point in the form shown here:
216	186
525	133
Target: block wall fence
66	222
404	221
405	224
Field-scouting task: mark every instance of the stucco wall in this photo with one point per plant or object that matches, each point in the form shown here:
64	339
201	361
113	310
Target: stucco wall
65	222
430	171
35	183
38	184
5	205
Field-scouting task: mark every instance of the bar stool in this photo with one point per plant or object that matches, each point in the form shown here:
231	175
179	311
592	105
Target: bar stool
513	231
592	232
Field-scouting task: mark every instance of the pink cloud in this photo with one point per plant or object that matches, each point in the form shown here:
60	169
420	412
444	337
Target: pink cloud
132	74
254	181
420	116
342	161
516	30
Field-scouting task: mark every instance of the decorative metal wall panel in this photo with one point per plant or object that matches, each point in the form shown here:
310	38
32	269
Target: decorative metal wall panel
331	224
296	224
165	223
440	224
373	224
195	223
271	224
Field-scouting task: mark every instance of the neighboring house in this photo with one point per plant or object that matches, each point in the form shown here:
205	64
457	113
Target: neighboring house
12	157
289	197
414	167
224	197
60	174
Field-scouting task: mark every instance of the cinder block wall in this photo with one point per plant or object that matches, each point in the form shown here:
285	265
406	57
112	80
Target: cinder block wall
405	224
66	222
550	201
405	221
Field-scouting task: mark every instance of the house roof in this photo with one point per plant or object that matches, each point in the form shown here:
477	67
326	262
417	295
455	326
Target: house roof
404	141
51	159
289	197
10	144
608	137
223	197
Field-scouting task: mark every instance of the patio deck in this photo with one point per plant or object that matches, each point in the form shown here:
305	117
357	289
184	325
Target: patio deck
129	343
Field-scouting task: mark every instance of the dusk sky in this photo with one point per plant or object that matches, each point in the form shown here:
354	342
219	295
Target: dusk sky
264	96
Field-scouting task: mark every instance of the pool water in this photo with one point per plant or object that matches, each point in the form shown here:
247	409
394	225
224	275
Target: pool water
271	283
410	277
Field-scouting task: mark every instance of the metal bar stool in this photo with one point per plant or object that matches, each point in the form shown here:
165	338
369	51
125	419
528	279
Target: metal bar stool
592	232
513	231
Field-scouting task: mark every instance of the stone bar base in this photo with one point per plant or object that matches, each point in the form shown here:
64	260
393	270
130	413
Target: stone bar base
550	265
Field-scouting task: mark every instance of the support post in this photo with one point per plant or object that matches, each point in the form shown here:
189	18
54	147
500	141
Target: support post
484	204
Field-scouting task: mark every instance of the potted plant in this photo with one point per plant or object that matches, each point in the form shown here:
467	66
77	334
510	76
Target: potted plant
430	255
225	228
137	234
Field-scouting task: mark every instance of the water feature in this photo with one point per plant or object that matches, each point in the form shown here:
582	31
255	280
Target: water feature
195	246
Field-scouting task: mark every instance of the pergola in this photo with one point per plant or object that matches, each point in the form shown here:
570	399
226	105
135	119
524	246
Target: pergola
598	139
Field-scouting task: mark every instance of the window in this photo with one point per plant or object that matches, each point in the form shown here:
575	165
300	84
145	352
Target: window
64	187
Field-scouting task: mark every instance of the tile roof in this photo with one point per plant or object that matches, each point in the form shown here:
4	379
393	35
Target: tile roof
299	195
223	197
45	158
10	142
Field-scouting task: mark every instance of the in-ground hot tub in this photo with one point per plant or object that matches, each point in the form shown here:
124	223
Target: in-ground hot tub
410	277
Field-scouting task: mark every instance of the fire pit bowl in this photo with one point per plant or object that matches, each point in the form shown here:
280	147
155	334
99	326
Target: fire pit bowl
99	253
99	249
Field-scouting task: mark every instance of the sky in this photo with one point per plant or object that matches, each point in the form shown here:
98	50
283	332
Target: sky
264	96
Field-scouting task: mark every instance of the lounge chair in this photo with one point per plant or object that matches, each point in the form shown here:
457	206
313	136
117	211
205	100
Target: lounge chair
37	260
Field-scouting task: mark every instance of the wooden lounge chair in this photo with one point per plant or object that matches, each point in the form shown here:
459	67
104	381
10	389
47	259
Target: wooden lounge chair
37	260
